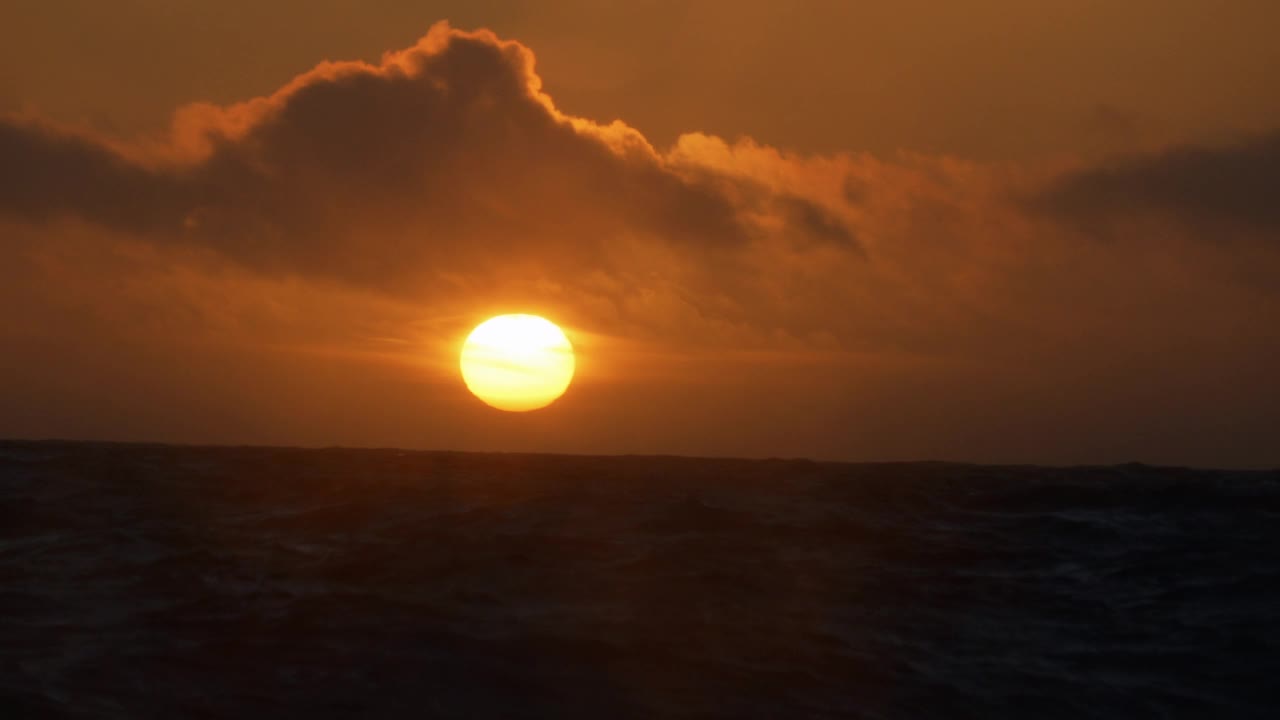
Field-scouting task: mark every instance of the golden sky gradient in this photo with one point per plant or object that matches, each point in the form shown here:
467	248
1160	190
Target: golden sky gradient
1017	232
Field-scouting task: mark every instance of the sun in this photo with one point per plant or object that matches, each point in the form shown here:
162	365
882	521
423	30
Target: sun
517	362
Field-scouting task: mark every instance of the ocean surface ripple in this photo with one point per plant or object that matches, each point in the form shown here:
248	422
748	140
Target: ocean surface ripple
176	582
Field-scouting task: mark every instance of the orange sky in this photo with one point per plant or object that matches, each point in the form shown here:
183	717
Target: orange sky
1021	233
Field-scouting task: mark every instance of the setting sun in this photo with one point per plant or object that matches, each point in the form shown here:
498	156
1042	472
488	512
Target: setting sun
517	362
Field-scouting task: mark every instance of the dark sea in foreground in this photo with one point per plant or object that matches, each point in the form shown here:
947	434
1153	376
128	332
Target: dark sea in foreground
179	582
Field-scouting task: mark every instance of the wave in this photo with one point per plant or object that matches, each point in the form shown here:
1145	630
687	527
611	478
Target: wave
165	581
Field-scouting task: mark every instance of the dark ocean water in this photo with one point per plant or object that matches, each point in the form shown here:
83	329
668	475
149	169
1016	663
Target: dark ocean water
145	581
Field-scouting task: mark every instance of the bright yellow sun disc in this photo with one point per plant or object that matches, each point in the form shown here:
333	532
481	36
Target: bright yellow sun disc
517	362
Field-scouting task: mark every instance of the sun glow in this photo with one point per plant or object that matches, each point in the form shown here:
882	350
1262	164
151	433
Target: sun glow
517	362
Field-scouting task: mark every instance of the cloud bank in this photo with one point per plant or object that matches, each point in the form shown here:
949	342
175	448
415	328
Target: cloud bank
1233	185
362	172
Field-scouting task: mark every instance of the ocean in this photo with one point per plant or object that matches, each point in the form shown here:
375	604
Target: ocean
141	581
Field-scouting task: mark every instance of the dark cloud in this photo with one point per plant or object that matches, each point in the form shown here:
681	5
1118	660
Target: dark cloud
444	153
44	174
816	223
1234	185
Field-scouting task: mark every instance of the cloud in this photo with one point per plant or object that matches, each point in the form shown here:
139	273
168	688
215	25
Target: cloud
1233	185
45	173
446	153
